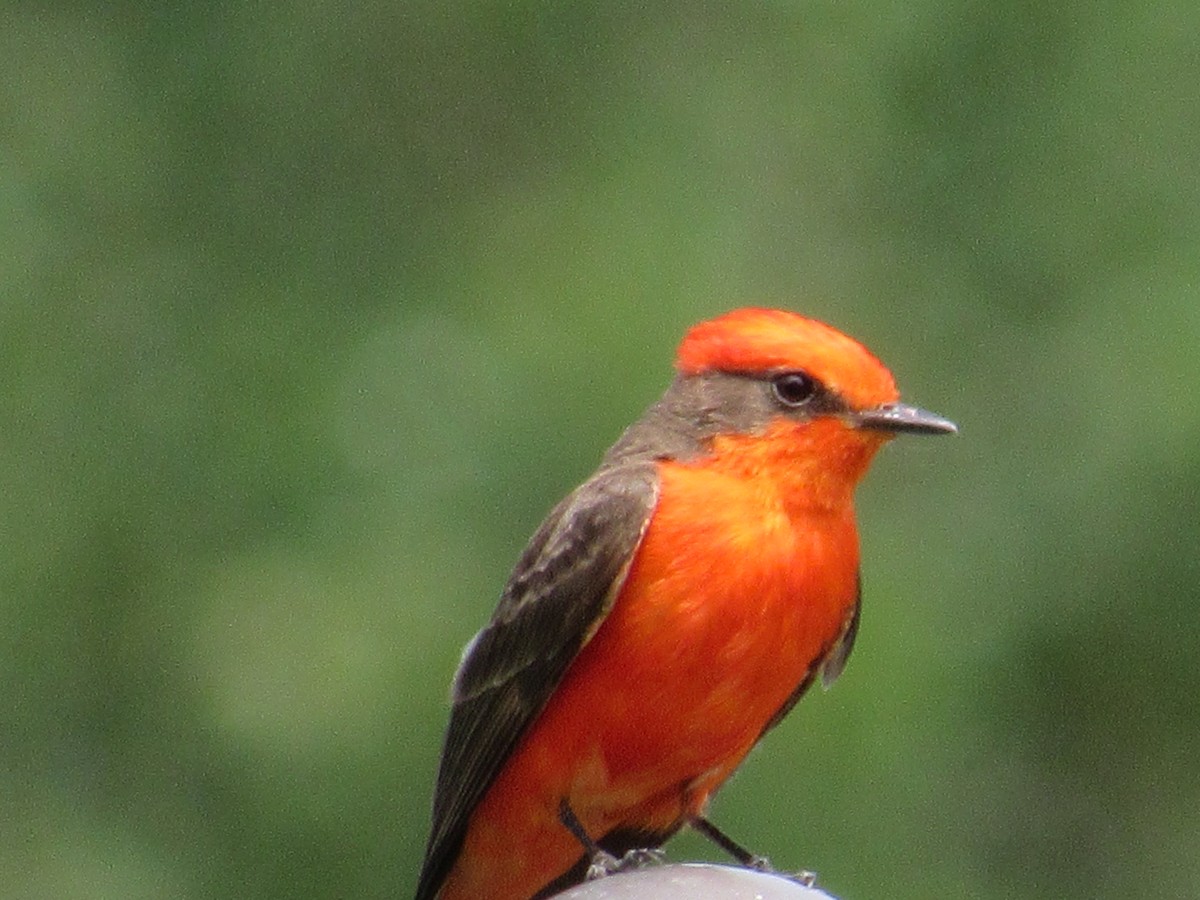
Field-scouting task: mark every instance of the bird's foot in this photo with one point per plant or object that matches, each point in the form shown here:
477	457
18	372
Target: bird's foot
804	878
603	863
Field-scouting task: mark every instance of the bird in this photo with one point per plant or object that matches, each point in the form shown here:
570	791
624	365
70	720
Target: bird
667	613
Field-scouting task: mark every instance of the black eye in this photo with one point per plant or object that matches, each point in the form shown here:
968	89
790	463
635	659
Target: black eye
794	388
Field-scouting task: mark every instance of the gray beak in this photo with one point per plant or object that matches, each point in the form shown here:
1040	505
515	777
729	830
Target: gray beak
900	417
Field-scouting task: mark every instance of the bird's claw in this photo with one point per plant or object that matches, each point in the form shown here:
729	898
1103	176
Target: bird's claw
603	863
804	878
641	857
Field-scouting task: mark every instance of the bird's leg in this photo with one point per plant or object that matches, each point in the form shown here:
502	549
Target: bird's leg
729	845
741	854
600	861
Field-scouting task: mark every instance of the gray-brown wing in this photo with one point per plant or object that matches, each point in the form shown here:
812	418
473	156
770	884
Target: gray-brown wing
560	591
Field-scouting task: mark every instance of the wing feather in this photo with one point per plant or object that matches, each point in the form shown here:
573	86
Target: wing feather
829	664
558	594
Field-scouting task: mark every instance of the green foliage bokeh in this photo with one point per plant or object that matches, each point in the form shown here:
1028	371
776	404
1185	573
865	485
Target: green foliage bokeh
309	312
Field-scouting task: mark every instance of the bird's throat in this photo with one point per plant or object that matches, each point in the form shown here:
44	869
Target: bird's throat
813	465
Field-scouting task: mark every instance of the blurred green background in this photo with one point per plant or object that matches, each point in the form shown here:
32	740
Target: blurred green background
309	312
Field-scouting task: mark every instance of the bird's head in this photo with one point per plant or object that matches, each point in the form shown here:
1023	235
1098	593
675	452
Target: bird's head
763	387
812	370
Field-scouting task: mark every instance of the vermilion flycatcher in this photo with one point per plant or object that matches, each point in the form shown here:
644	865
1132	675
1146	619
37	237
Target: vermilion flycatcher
669	612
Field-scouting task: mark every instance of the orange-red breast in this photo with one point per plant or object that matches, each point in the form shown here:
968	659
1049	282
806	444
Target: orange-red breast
668	612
